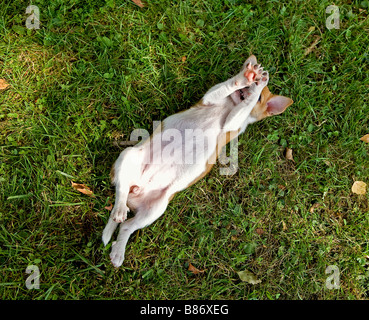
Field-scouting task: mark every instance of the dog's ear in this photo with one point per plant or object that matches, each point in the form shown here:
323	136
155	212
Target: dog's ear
277	104
251	59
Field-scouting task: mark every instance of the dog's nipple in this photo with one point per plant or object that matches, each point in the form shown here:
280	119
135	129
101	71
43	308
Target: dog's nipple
134	189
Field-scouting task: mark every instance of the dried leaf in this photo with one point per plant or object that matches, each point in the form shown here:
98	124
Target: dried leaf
289	154
314	206
109	207
194	270
139	3
359	187
249	277
365	138
82	188
259	231
3	84
312	46
327	163
284	226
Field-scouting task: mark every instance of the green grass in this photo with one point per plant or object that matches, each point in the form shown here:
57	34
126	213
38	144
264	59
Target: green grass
97	70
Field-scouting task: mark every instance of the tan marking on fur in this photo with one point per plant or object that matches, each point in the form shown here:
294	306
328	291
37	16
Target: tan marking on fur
172	196
260	112
112	174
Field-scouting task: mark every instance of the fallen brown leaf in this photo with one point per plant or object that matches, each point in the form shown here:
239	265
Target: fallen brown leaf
139	3
327	163
259	231
289	154
314	206
109	207
359	187
194	270
82	188
312	46
365	138
3	84
248	276
284	226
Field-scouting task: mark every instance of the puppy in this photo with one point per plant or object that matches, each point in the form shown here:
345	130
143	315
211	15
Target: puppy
183	149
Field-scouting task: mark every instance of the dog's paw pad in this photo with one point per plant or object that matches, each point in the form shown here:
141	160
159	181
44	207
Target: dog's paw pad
263	79
249	74
259	70
253	73
256	67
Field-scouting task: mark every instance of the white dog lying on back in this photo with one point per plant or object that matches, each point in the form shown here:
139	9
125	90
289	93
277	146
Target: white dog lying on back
148	175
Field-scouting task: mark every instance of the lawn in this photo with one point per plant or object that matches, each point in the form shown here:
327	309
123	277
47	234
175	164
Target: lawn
97	70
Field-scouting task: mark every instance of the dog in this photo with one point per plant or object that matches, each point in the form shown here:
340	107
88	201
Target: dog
148	175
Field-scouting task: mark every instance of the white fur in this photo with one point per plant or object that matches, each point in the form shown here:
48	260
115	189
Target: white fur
147	175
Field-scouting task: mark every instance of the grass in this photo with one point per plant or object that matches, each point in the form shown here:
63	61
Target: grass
96	70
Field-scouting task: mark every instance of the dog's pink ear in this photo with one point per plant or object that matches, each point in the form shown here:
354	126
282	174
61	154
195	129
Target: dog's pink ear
277	104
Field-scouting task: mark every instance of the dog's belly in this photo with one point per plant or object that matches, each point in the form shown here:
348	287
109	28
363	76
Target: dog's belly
158	176
174	159
180	158
160	181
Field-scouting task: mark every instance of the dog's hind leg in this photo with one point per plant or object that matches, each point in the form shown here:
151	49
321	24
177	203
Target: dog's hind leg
109	230
151	210
126	172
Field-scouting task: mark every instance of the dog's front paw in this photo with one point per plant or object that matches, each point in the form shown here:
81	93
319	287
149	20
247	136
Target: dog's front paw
248	75
262	77
119	213
251	73
260	81
117	254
